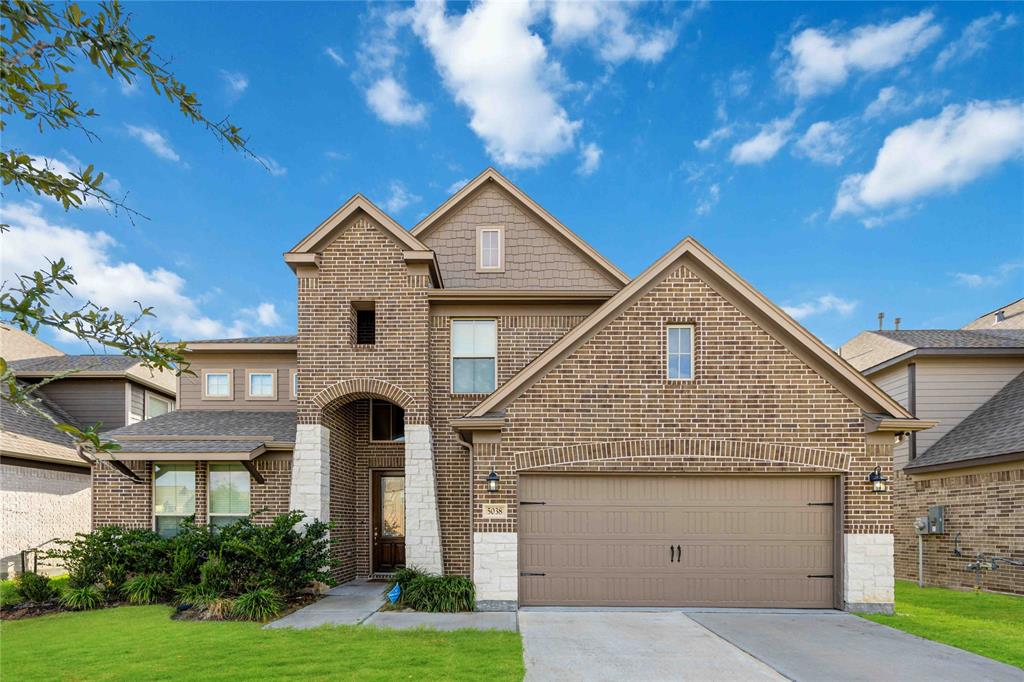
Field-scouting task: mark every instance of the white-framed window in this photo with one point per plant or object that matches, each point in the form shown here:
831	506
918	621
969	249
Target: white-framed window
229	493
474	356
218	384
157	405
174	496
490	248
295	384
261	384
679	355
387	422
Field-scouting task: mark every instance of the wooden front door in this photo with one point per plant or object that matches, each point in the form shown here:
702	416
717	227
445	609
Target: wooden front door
388	521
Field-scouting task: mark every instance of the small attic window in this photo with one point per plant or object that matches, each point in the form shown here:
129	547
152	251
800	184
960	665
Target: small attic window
366	323
490	249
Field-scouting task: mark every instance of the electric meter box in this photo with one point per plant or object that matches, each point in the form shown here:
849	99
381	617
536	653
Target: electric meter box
936	520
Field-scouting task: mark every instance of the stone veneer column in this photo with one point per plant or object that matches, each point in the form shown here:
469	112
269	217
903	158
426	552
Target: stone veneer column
496	571
868	578
311	471
422	529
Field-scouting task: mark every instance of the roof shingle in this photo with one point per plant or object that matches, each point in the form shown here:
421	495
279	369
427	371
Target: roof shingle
275	426
290	338
956	338
57	364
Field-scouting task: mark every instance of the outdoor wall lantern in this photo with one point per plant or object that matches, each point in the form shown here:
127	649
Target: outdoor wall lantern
492	481
878	481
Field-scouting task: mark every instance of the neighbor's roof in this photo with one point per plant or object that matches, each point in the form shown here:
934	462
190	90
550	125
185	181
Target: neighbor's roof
57	364
231	433
992	432
30	435
957	338
873	351
1013	317
290	338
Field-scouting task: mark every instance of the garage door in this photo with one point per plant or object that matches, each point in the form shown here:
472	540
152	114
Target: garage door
676	541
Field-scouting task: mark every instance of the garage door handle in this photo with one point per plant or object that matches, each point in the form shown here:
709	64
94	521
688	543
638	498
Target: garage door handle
821	576
527	574
671	554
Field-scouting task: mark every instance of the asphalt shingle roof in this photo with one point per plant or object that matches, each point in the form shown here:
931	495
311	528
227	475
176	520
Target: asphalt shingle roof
995	428
25	421
292	338
957	338
131	446
279	426
57	364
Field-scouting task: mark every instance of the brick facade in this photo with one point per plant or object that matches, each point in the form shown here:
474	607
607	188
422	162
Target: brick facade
985	505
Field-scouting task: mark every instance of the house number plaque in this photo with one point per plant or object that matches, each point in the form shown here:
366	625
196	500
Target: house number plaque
495	511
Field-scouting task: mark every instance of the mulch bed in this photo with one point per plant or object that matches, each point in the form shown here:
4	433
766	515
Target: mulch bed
202	613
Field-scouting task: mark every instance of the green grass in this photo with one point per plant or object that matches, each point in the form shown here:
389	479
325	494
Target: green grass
143	643
988	624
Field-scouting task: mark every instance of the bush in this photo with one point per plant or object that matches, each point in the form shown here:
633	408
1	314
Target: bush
435	593
36	588
82	598
148	588
113	578
195	595
214	575
260	604
90	556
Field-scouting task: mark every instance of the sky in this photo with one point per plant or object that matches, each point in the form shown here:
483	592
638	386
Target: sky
845	159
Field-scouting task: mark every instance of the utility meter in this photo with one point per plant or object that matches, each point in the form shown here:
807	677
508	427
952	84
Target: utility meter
936	520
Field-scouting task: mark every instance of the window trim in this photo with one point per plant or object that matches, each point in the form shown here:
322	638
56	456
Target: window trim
692	353
369	423
209	490
248	384
152	491
500	229
293	378
152	394
451	354
231	384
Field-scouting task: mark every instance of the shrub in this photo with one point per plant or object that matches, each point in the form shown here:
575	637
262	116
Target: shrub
89	555
36	588
113	579
435	593
214	574
260	604
148	588
195	595
221	608
82	598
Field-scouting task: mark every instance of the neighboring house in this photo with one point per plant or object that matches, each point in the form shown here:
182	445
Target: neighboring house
486	395
44	484
972	381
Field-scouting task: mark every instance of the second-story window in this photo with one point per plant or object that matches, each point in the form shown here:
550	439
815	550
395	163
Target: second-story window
474	356
490	249
157	405
365	323
680	352
217	384
261	385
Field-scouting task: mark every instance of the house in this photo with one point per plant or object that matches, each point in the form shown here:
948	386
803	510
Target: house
44	484
971	381
486	395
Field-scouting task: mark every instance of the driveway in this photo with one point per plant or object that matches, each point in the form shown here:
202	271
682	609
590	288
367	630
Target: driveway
685	644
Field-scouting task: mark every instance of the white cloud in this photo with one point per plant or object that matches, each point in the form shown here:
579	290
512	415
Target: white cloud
611	30
933	154
128	88
828	303
270	165
457	185
766	144
334	56
156	142
494	65
975	38
740	82
235	82
590	159
714	136
106	280
392	104
825	142
1000	275
399	197
265	313
708	202
892	100
819	61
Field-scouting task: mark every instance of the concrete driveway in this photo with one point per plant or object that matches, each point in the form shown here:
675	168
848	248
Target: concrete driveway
690	644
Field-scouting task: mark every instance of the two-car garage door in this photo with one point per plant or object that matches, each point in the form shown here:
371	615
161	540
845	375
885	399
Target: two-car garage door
630	540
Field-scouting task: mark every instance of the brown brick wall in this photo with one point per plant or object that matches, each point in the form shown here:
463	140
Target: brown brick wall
535	257
985	506
116	500
747	387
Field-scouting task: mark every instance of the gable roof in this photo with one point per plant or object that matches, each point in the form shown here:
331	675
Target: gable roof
94	367
28	434
1012	314
765	313
993	431
956	338
325	231
873	351
491	175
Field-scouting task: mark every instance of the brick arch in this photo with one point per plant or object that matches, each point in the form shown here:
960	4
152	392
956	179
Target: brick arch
682	447
357	389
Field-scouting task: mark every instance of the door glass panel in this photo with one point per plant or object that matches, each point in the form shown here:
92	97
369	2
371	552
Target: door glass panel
392	506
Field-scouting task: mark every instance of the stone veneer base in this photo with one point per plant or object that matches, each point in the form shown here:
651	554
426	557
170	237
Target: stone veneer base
422	527
868	571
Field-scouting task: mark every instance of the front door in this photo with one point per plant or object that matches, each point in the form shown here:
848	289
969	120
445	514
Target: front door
388	521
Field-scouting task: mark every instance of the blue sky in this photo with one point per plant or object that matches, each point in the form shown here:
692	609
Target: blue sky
844	158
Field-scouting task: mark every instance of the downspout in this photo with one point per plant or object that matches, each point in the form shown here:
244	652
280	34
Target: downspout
472	468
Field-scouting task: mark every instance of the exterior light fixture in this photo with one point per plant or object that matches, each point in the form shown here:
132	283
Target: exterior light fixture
878	484
492	481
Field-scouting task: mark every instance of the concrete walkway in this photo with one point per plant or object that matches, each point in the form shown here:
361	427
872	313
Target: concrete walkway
356	603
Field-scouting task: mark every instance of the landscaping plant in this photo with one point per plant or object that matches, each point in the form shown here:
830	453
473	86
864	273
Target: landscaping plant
260	604
147	588
434	593
82	598
36	588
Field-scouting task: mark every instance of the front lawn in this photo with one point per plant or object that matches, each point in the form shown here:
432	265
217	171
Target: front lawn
143	643
988	624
